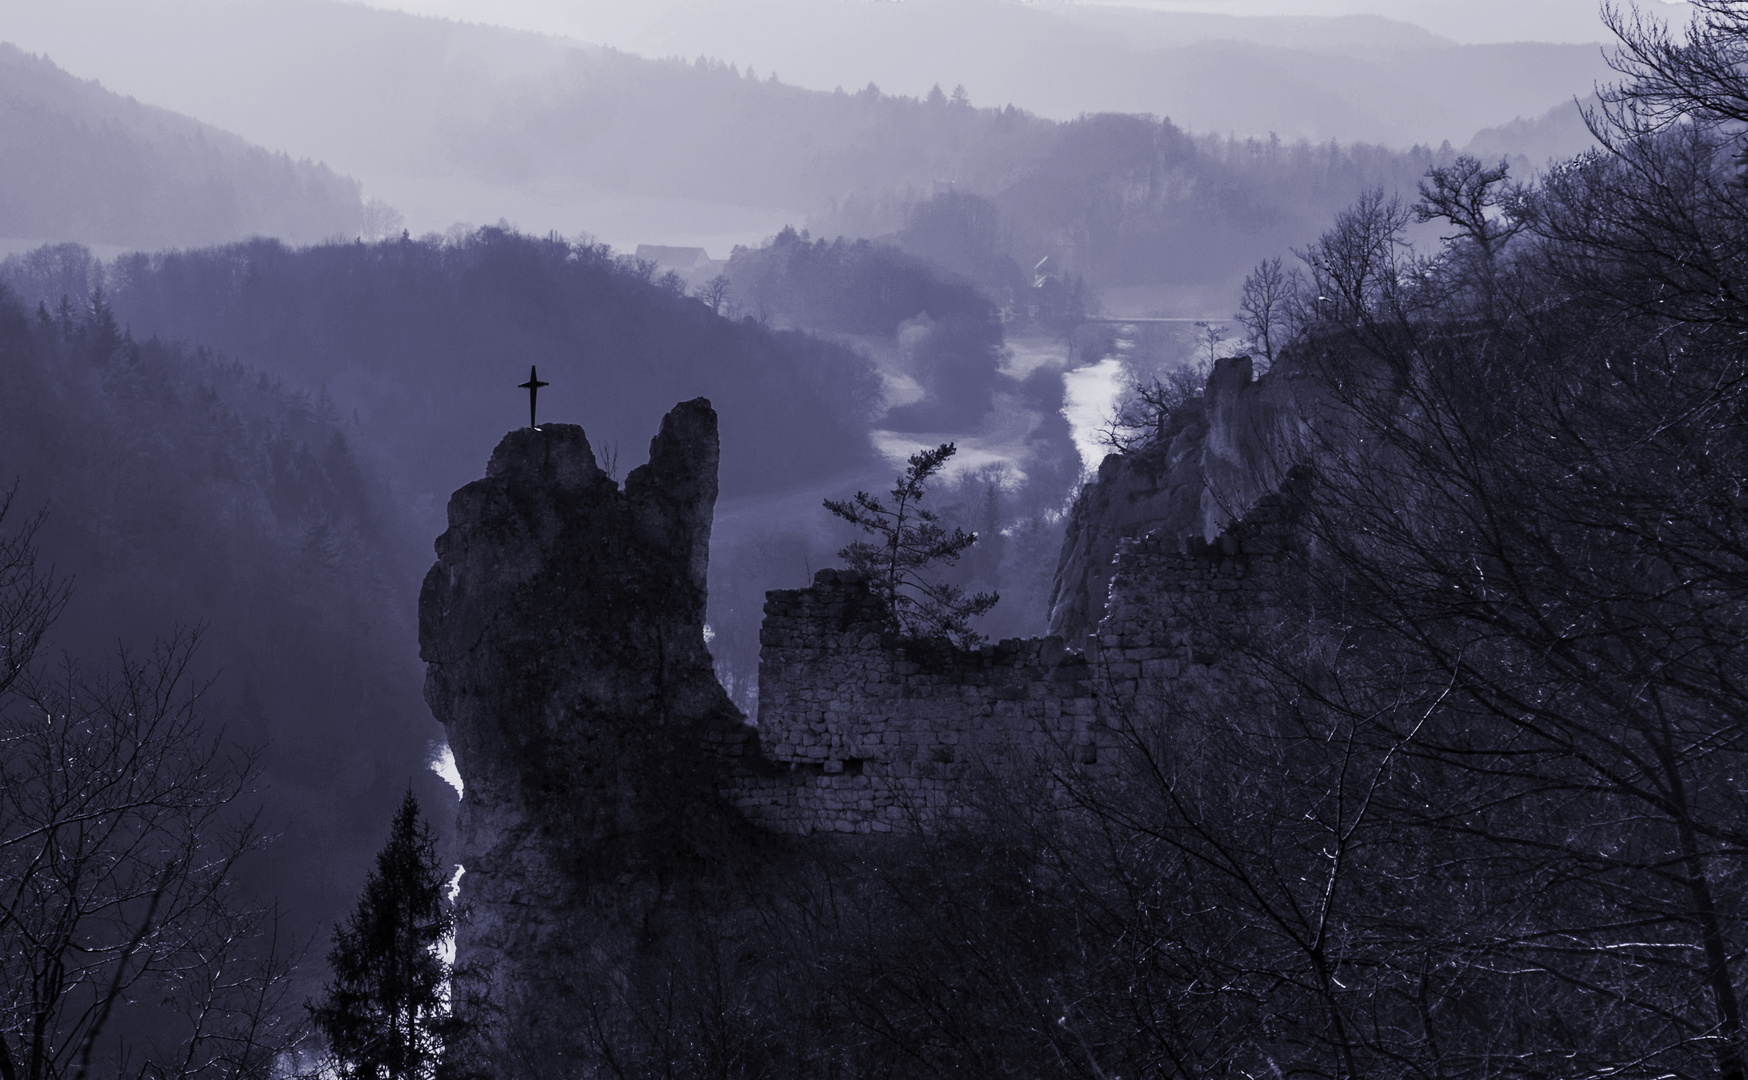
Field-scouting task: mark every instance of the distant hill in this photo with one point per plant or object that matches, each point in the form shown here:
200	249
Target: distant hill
452	121
424	341
1530	144
1130	202
1353	77
83	164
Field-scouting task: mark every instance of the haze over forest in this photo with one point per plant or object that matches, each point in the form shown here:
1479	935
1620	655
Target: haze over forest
449	121
273	270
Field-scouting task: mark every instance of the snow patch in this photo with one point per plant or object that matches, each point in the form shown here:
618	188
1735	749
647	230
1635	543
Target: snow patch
443	764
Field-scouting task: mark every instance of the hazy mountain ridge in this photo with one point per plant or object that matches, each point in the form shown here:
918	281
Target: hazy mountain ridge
1214	72
1531	143
1153	28
85	164
459	121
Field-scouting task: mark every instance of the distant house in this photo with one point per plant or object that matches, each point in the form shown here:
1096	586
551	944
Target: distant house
691	263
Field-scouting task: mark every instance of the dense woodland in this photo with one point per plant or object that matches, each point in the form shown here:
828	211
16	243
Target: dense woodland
1134	200
232	607
420	338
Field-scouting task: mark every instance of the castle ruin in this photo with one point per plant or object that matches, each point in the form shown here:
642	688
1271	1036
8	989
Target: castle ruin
563	628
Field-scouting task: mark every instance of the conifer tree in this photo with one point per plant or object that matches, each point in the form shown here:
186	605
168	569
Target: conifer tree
909	540
385	1000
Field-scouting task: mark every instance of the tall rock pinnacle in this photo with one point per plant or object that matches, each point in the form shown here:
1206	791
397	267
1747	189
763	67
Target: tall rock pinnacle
563	629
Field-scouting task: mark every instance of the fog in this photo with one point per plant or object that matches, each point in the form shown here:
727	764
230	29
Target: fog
274	268
662	25
467	121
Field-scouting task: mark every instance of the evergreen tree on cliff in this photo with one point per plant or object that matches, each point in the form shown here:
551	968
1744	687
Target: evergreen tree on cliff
909	542
386	998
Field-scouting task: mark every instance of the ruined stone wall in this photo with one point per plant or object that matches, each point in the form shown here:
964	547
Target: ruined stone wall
860	731
869	733
1172	598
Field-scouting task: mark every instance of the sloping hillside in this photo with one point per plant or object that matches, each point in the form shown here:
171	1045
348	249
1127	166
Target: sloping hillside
1531	143
81	163
454	121
188	493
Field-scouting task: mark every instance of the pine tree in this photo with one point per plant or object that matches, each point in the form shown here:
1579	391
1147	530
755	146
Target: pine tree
909	540
385	1002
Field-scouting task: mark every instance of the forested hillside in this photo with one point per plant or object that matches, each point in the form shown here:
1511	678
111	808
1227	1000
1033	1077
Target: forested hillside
87	165
189	493
952	334
422	343
453	121
1134	200
418	346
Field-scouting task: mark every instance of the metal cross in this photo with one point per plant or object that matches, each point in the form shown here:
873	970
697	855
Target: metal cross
533	386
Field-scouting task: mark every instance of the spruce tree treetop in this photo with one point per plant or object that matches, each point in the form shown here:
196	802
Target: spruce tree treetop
909	541
386	999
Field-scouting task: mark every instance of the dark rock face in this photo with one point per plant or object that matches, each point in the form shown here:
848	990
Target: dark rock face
1155	489
616	801
1214	460
563	629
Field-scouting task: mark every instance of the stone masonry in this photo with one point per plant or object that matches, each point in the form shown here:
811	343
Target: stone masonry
860	731
864	732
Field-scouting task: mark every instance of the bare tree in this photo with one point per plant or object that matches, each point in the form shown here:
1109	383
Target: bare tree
1700	78
30	598
1361	267
1267	309
1523	514
1148	411
1505	693
714	292
124	946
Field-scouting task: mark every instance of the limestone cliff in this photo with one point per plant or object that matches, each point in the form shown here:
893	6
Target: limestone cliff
1157	488
1213	459
563	628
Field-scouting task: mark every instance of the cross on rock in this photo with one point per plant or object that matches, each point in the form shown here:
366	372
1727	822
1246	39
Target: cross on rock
533	386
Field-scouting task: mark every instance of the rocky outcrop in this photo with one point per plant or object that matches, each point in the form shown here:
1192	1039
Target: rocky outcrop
614	796
1214	457
1157	488
1254	431
563	626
